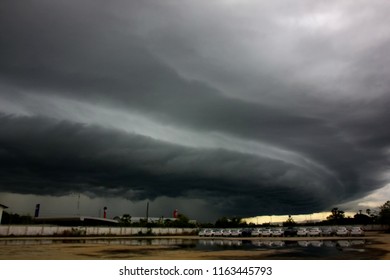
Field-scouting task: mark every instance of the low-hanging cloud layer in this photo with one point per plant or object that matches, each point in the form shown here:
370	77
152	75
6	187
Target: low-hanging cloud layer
253	107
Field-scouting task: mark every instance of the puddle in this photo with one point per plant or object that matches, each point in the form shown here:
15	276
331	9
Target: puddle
201	243
309	248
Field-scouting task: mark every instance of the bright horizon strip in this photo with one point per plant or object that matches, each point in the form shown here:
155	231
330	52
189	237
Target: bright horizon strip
302	218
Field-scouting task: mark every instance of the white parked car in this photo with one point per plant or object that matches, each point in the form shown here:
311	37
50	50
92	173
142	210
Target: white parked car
342	231
356	231
266	232
327	231
256	232
218	232
227	232
315	231
277	232
204	232
209	232
302	232
236	232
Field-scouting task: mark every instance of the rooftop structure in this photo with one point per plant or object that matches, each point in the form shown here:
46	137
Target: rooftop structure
75	221
2	207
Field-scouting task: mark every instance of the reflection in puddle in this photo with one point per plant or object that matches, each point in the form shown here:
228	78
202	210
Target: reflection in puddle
130	242
279	243
209	244
303	243
329	244
279	249
316	243
343	243
357	242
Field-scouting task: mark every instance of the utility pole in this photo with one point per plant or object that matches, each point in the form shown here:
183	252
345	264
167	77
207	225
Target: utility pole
147	211
78	205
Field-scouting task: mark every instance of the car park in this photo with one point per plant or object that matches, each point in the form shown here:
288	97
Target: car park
342	231
202	232
236	232
205	232
226	232
256	232
302	231
218	232
290	231
356	231
327	231
315	231
266	232
277	232
246	232
209	232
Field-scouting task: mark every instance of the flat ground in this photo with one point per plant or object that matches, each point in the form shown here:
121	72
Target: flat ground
376	248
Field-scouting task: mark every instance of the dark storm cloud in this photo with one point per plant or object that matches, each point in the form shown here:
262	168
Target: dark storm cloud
41	156
280	76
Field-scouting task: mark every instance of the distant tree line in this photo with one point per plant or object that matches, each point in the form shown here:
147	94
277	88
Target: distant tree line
16	219
337	217
182	221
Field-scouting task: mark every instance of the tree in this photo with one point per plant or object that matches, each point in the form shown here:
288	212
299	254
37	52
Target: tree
336	216
126	219
289	222
181	221
231	222
384	214
182	218
362	219
13	218
223	222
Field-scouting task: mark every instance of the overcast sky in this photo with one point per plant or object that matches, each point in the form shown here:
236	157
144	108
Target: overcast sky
218	108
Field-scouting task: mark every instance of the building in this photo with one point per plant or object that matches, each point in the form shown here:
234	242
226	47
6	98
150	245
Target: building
75	221
2	207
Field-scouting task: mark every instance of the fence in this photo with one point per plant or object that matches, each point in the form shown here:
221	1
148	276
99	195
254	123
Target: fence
44	230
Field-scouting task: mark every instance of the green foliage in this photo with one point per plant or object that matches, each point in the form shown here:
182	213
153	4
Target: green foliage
384	214
182	221
232	222
289	222
126	219
337	216
16	219
362	219
222	222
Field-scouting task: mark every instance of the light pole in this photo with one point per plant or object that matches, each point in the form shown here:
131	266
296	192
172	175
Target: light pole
78	205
